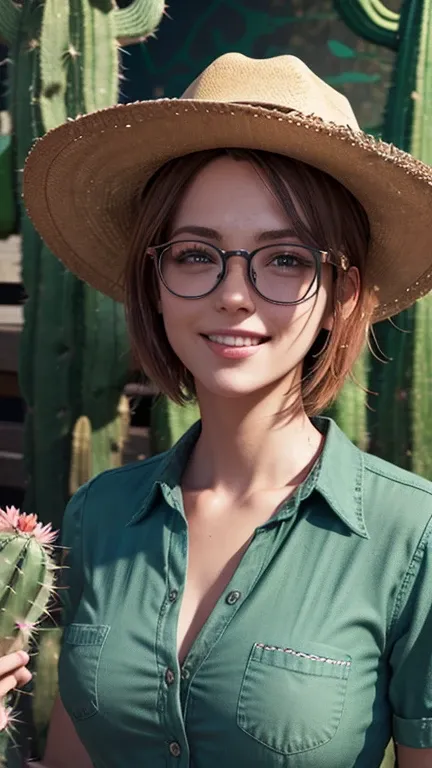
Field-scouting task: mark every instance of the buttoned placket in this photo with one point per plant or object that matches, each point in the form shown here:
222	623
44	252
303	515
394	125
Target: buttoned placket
176	682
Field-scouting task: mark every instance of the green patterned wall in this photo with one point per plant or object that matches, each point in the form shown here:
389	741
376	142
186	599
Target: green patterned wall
194	33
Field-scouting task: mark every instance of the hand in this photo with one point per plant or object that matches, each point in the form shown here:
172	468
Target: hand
13	673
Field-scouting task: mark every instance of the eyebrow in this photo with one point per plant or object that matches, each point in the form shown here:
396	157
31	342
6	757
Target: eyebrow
213	234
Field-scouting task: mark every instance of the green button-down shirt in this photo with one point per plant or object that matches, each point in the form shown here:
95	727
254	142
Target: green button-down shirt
316	653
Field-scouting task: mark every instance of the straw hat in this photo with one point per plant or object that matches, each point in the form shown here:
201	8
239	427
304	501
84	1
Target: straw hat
81	180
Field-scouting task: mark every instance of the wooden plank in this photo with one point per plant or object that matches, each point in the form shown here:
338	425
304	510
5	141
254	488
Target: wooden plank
11	470
11	437
11	446
9	347
11	314
10	260
9	386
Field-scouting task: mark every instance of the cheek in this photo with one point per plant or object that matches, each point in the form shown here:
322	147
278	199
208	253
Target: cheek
179	316
299	325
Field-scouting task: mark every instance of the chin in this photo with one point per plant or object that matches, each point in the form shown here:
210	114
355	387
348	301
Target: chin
232	386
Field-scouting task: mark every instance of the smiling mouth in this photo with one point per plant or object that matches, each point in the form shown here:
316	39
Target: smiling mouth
236	341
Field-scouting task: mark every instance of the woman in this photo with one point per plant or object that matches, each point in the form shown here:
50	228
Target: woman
261	594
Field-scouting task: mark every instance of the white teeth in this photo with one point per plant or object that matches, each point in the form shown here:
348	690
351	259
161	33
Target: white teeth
235	341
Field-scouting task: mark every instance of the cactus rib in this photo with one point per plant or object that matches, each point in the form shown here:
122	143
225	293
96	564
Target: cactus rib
10	20
100	83
53	45
138	20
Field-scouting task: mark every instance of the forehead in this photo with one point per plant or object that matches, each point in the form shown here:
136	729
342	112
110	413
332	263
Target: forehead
230	192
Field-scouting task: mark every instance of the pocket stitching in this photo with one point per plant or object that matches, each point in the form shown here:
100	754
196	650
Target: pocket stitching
338	663
241	716
100	646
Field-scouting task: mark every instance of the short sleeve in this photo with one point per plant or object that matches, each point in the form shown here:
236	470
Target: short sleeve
411	652
71	574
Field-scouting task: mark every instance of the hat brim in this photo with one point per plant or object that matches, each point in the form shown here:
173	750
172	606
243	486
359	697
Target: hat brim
82	180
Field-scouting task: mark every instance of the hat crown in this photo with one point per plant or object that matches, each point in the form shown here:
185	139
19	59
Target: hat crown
283	81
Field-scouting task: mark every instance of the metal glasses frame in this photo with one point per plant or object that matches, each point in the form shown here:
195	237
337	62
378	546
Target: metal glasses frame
339	261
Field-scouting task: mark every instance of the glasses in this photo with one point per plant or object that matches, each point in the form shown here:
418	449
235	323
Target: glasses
286	273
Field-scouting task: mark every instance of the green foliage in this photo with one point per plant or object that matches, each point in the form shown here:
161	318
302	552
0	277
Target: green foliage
341	50
351	77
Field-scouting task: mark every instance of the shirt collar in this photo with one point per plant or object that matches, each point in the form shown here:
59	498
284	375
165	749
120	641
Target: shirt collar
341	477
338	476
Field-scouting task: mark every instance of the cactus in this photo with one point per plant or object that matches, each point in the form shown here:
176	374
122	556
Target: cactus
45	677
349	409
372	20
74	356
26	585
7	193
88	447
400	418
168	422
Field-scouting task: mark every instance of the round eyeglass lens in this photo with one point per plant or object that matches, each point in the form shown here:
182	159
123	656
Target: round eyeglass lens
190	268
285	273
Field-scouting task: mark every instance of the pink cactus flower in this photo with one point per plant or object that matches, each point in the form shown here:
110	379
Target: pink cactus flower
12	520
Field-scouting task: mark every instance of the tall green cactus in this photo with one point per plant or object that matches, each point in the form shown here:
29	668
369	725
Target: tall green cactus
74	352
400	424
169	421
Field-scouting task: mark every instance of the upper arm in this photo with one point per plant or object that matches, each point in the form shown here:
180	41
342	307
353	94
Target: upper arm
64	749
410	690
413	758
71	574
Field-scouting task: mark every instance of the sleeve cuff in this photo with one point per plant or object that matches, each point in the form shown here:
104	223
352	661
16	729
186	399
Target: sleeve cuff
413	733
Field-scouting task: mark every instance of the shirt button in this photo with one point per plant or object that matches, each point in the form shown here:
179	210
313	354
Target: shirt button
232	597
185	674
174	748
173	596
169	677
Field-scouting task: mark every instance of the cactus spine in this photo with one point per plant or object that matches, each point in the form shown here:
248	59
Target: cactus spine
26	584
74	352
400	421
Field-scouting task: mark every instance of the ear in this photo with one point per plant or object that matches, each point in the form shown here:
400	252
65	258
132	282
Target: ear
349	293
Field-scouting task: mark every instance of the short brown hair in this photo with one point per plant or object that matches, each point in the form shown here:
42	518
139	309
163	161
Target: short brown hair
335	220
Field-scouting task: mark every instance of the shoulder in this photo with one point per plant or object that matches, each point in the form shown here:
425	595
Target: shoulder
395	499
115	494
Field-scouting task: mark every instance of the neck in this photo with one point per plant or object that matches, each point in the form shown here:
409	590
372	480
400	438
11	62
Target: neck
252	443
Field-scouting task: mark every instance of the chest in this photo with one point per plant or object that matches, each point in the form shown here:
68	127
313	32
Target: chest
286	664
218	537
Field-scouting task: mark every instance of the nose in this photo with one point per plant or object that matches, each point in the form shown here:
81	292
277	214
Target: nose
235	293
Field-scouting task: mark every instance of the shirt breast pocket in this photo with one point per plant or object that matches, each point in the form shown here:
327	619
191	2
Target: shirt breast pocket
78	668
292	701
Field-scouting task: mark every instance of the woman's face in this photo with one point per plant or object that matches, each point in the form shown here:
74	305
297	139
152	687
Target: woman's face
230	197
